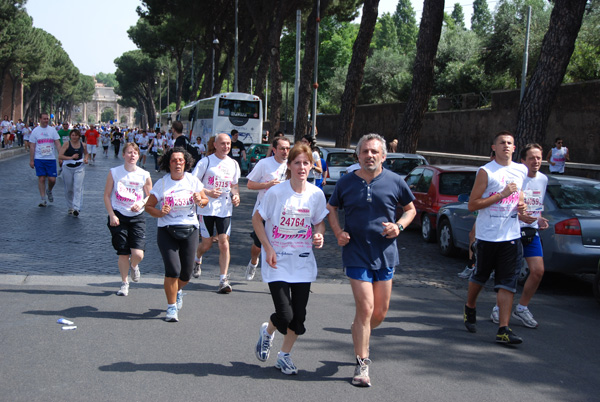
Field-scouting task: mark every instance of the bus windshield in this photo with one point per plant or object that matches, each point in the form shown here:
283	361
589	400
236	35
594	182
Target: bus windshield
239	108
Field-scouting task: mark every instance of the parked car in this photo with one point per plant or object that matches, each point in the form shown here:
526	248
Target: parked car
435	186
572	242
337	159
254	153
402	164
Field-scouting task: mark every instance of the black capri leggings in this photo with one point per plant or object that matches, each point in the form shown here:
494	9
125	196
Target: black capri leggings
290	300
178	254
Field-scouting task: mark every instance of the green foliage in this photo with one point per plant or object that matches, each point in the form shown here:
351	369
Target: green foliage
109	80
386	34
388	77
506	45
107	115
481	20
458	16
91	119
406	26
585	61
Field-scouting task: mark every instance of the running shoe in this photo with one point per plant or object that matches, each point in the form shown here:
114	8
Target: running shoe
466	273
42	203
506	336
50	196
495	316
525	317
251	271
75	212
172	314
470	317
265	341
179	301
361	373
124	291
224	286
70	211
197	269
286	365
135	274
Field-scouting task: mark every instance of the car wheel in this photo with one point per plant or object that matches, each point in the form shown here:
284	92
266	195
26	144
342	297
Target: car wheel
445	239
427	231
597	284
524	273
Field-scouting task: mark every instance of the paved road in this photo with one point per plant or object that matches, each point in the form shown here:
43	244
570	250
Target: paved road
54	265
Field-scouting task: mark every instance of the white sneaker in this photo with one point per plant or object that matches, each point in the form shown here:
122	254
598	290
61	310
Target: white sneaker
251	270
525	317
466	273
495	316
124	291
224	286
197	269
135	274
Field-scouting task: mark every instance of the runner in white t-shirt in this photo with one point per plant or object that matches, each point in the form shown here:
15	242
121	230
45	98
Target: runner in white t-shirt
534	190
498	197
125	195
44	144
219	175
293	213
267	173
173	201
558	157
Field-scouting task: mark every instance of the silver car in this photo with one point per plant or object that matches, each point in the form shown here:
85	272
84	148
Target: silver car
572	242
337	160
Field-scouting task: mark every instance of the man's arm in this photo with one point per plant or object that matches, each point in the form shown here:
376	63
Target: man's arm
342	237
391	229
254	185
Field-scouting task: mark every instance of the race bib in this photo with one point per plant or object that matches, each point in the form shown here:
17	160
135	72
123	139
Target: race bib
293	221
534	200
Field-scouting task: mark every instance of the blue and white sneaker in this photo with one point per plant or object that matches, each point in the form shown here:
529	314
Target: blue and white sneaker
172	314
265	341
285	364
179	301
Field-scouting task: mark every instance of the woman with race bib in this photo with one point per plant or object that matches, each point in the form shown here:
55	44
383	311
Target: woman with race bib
125	194
74	156
293	213
173	201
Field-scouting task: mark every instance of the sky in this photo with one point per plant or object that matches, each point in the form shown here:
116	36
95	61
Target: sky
94	32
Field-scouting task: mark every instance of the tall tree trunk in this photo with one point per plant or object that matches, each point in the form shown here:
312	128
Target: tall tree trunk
422	84
306	76
556	51
356	72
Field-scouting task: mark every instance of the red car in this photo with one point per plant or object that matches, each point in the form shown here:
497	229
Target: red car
435	186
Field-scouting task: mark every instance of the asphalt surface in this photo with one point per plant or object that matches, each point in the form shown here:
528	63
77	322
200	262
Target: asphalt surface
54	265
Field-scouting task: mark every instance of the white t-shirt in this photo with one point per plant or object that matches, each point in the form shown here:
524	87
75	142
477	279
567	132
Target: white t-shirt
534	189
44	138
559	157
128	188
289	217
26	133
5	126
221	173
316	158
178	194
499	222
266	169
143	142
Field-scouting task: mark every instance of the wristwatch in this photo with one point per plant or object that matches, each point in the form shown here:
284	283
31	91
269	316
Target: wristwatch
400	227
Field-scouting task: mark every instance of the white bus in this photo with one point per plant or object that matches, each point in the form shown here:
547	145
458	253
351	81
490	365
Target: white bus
222	113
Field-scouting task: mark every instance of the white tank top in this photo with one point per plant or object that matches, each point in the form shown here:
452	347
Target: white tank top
499	222
559	157
128	188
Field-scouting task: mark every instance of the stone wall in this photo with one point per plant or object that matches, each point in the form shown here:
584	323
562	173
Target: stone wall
575	117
